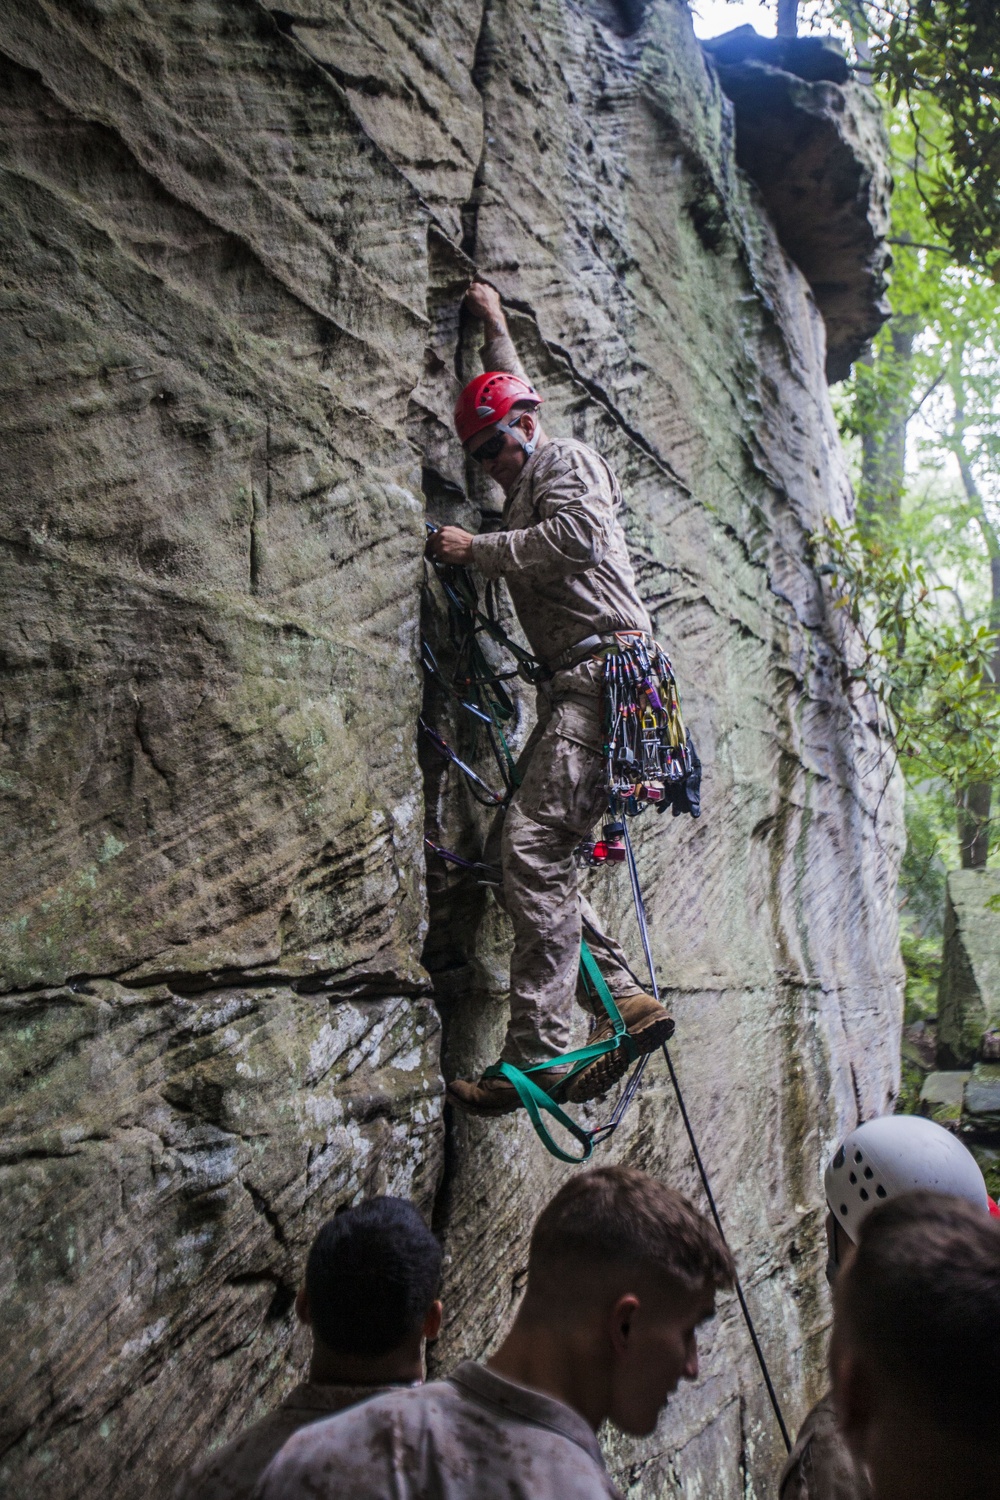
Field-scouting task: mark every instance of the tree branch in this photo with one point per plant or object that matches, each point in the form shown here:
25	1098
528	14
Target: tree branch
929	391
916	244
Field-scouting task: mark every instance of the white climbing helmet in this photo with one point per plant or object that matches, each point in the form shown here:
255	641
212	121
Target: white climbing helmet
898	1154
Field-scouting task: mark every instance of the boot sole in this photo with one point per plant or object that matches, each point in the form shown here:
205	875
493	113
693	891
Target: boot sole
498	1108
605	1071
484	1110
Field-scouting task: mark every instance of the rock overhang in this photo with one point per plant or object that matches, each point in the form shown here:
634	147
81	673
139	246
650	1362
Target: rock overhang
811	138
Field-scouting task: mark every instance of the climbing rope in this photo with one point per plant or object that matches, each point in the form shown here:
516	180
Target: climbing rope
640	911
537	1102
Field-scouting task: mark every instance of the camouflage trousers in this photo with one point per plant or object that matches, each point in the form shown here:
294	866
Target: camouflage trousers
560	798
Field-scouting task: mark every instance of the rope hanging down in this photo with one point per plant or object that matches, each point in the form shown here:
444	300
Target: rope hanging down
650	761
640	911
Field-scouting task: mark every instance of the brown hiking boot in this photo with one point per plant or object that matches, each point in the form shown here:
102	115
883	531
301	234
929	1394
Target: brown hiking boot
498	1096
649	1026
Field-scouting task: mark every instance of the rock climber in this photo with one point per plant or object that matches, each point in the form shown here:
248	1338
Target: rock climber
877	1162
563	556
621	1272
915	1353
370	1300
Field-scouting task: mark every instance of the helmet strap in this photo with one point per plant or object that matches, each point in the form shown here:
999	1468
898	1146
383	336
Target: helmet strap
528	444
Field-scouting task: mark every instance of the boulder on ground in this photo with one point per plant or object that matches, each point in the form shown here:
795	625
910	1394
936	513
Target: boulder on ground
969	994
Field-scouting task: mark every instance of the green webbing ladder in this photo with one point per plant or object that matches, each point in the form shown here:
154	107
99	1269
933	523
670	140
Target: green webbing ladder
536	1100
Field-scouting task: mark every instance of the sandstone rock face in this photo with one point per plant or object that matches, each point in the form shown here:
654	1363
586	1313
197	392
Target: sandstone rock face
235	241
813	142
969	991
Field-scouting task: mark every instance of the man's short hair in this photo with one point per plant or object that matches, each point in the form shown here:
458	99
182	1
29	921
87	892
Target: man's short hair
620	1216
373	1272
921	1301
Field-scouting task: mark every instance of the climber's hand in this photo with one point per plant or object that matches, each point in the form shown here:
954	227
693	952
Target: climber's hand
483	302
450	545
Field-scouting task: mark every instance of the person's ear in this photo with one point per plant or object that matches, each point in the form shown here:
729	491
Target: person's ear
432	1322
621	1320
302	1307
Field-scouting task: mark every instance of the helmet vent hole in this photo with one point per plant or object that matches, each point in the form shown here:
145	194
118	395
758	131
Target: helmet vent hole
858	1156
854	1178
864	1195
838	1160
880	1191
843	1209
868	1172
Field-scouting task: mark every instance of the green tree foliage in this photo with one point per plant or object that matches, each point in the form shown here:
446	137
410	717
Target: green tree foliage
919	573
941	60
923	566
927	662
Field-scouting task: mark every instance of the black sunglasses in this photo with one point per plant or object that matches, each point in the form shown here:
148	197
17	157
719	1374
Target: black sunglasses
491	449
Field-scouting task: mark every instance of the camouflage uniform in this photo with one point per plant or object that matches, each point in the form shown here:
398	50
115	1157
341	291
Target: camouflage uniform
472	1435
820	1466
231	1472
563	556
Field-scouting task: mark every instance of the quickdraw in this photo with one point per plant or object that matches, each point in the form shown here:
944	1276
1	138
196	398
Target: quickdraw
484	792
474	685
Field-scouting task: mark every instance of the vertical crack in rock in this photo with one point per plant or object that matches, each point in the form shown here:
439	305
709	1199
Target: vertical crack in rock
480	68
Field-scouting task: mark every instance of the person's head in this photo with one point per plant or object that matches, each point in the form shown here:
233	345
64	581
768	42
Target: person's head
371	1293
625	1269
496	418
915	1355
886	1157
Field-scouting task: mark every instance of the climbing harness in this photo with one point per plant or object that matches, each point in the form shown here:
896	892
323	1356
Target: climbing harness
650	761
648	758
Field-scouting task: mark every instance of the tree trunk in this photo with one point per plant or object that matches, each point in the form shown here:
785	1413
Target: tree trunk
788	17
973	812
974	802
883	447
858	21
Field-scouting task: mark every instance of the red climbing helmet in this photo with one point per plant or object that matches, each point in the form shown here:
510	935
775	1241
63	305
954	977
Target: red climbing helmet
488	399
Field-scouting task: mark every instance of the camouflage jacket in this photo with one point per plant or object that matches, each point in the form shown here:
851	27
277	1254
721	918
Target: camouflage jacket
232	1471
562	550
820	1466
472	1435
